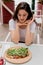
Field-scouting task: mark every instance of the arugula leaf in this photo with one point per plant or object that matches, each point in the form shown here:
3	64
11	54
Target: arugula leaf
19	52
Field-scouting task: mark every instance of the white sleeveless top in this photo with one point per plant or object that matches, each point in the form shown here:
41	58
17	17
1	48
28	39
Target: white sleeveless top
12	26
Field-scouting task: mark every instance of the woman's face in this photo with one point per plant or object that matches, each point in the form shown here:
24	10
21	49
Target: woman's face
22	15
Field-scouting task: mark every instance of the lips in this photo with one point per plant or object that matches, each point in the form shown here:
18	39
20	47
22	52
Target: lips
22	19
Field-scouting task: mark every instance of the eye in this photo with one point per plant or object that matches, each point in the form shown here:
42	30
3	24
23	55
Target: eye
19	14
24	15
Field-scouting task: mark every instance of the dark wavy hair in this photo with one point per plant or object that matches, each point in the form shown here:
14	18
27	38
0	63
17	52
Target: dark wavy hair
25	6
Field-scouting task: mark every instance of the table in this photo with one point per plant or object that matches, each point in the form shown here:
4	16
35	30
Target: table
37	52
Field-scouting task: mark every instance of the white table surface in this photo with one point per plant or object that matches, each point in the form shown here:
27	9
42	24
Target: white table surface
37	53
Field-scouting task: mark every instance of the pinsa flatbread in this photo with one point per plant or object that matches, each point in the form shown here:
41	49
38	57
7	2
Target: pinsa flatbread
17	54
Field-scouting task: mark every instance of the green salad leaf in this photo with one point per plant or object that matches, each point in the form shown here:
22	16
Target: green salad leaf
19	52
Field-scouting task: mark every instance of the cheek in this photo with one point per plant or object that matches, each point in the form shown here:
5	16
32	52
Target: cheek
18	17
25	17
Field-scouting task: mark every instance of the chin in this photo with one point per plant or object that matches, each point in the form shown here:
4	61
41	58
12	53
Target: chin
21	21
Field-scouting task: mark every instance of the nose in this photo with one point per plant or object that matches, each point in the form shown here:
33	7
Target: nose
22	17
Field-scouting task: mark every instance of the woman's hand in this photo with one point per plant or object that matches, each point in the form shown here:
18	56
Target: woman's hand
22	26
29	22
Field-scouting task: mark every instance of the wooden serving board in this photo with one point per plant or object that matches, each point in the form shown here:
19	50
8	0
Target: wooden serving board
20	60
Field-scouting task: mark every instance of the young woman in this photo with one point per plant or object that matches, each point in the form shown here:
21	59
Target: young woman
22	25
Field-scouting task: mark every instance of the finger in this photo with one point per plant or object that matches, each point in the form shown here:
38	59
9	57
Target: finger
19	24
